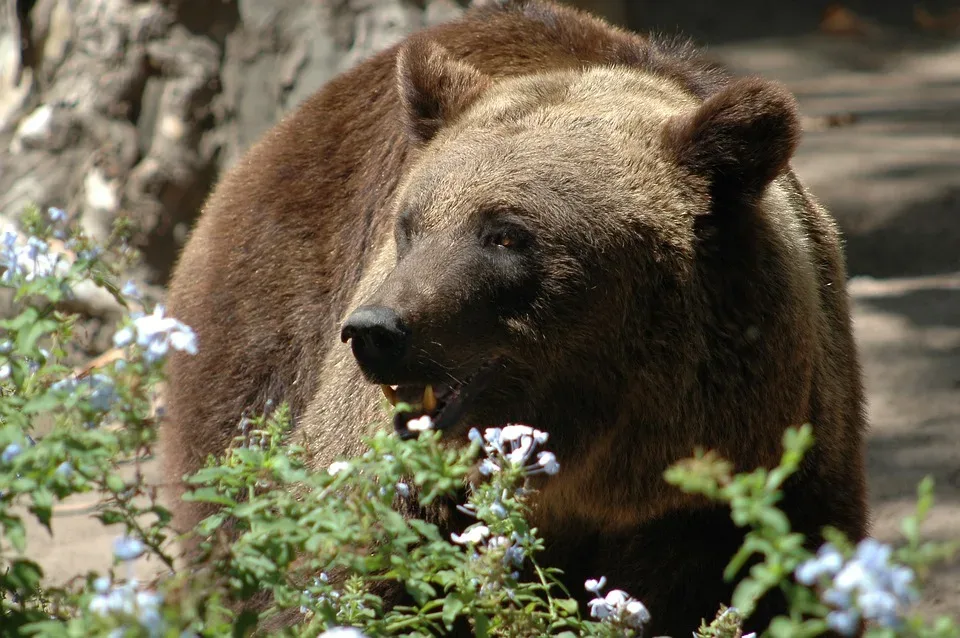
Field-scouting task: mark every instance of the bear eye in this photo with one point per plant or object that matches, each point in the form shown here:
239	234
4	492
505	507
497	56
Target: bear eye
506	238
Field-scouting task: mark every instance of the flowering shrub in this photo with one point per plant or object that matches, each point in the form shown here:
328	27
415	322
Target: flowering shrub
330	545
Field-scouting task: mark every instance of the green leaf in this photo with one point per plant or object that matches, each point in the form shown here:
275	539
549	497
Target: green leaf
481	626
24	575
209	495
109	517
746	595
116	484
452	606
42	403
245	623
27	339
567	606
42	506
15	532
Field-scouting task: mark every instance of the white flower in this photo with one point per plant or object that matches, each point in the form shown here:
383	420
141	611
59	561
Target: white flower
342	632
617	597
337	467
600	609
421	424
516	432
522	451
636	614
514	445
471	536
548	461
5	371
595	585
617	606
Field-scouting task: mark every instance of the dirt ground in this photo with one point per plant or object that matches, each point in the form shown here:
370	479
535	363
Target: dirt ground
892	178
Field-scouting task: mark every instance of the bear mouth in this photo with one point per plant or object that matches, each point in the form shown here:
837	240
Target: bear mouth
445	403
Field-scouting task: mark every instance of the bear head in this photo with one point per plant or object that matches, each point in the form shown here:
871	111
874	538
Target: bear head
549	234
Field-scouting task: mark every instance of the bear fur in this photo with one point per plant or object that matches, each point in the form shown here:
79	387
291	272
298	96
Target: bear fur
609	218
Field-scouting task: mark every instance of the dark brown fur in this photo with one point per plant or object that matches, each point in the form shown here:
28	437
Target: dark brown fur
718	320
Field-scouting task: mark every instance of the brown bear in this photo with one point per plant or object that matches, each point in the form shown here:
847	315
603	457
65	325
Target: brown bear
529	216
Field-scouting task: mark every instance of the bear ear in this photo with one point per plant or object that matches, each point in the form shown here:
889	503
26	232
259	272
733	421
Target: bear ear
740	139
434	87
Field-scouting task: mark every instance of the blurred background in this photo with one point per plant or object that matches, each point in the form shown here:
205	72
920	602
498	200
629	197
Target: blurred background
115	108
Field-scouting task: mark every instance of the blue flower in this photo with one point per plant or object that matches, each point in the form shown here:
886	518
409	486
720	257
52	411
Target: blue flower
515	555
56	215
127	549
827	562
156	334
873	554
29	261
123	337
844	622
488	467
498	510
10	452
90	254
130	290
148	611
64	470
867	586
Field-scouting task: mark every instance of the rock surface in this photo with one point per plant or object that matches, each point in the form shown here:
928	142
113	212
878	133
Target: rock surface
117	107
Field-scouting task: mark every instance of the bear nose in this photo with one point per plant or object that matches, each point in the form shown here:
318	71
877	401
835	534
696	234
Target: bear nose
379	337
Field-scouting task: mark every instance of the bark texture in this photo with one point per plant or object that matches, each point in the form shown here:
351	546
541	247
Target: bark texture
119	107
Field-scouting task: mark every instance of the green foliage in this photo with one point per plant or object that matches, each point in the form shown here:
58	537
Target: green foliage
327	547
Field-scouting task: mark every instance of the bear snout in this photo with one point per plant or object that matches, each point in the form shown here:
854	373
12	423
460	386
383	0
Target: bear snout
379	340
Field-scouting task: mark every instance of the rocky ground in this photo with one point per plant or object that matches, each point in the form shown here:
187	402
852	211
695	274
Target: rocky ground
891	174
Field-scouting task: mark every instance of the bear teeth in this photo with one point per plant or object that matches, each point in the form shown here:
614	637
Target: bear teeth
429	399
390	392
428	403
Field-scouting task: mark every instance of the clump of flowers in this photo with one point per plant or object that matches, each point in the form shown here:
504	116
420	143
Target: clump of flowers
868	586
125	603
28	259
512	447
617	608
155	334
